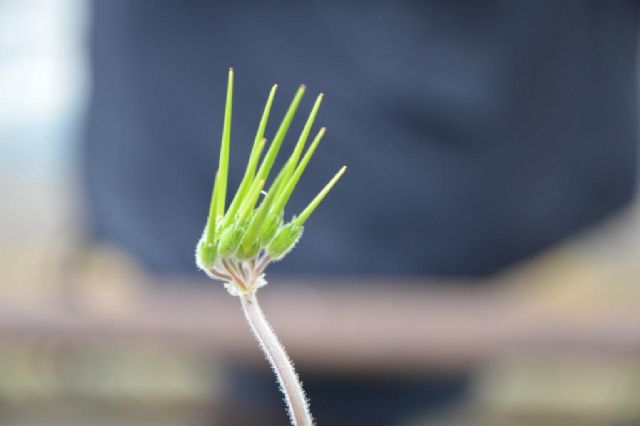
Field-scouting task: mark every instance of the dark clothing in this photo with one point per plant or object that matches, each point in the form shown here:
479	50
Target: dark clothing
476	133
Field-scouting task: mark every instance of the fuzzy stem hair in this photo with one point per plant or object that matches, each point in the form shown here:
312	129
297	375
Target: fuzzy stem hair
290	385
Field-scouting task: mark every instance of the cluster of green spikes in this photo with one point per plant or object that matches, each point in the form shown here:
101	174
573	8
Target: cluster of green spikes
251	229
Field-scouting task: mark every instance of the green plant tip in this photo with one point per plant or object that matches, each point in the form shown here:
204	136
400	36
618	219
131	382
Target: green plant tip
224	148
302	217
239	241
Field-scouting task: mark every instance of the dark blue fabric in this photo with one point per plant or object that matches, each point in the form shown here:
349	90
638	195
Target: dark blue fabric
354	400
477	133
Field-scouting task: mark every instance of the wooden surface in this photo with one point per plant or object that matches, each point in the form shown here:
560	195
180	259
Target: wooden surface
391	325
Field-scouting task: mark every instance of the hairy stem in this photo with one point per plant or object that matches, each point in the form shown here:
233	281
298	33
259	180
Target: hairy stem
290	385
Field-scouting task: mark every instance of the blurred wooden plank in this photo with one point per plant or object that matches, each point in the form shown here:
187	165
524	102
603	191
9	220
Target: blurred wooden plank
341	326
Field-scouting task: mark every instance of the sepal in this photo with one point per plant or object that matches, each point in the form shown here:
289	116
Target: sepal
284	241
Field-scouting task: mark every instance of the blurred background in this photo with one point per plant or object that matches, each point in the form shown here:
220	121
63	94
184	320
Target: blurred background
478	264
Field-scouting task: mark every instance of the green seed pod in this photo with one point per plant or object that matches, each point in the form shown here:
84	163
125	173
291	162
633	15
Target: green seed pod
283	242
247	227
246	252
230	240
207	255
269	228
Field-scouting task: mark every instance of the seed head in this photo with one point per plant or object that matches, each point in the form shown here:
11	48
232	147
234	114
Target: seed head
239	240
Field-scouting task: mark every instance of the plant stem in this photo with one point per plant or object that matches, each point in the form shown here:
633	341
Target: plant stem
290	385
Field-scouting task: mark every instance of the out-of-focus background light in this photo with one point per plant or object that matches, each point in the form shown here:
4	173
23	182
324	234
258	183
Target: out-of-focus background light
43	90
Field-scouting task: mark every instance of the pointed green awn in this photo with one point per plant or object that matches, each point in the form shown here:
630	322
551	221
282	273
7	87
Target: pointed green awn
244	235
